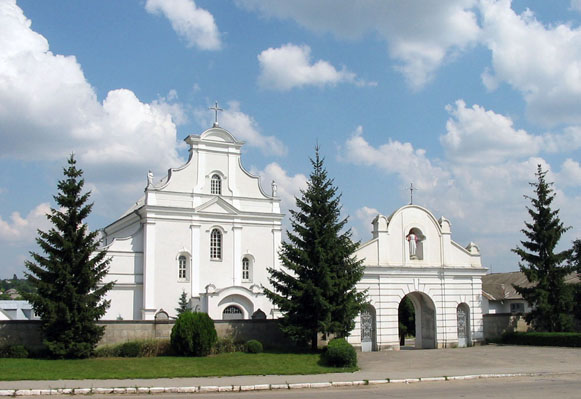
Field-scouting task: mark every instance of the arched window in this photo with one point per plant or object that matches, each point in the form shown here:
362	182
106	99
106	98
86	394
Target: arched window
246	271
182	268
232	313
216	185
216	244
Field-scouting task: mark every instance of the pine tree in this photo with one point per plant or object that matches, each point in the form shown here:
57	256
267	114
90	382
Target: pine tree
183	304
551	300
316	293
67	277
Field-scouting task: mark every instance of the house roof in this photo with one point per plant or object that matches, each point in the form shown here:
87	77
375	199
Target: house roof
499	286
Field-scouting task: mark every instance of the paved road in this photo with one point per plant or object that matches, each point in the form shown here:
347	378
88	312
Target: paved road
488	359
554	387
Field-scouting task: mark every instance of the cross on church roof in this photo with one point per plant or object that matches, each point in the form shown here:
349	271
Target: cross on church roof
412	188
216	109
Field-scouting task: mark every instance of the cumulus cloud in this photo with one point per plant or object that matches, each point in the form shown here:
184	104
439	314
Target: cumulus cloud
542	62
244	127
489	195
420	35
570	174
289	186
20	229
412	165
195	25
291	66
479	136
476	135
49	110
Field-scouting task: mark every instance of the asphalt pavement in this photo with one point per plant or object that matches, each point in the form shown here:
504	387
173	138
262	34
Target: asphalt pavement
375	368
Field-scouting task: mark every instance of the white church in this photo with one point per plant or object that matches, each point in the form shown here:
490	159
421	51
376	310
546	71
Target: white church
208	229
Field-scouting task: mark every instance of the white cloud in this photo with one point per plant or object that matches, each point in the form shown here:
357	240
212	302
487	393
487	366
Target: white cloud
291	66
480	136
489	195
420	35
542	62
195	25
410	164
20	229
49	110
570	174
476	135
244	127
288	186
363	218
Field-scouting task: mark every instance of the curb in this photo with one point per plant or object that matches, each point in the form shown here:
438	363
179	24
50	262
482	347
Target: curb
245	388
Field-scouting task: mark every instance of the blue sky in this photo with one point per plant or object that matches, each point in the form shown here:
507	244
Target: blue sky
461	97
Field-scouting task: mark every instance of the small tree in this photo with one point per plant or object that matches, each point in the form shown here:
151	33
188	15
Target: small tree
316	293
183	304
69	293
551	299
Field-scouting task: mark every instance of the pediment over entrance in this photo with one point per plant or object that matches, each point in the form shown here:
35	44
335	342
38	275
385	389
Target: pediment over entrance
412	236
217	205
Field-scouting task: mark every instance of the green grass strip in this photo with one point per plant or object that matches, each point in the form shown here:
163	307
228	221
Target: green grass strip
227	364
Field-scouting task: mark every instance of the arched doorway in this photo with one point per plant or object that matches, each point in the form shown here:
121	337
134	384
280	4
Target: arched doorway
424	319
368	329
463	318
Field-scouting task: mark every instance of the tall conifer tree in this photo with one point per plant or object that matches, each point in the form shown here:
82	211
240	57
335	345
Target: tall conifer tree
551	299
67	277
315	290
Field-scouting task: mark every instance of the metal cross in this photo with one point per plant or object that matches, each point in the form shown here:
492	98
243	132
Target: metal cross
412	188
216	109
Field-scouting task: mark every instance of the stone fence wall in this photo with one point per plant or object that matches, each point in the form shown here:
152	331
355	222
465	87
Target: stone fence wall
497	324
27	332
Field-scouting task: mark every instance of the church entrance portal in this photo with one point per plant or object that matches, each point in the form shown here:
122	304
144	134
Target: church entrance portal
419	322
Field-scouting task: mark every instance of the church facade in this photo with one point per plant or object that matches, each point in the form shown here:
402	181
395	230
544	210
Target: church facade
206	229
209	230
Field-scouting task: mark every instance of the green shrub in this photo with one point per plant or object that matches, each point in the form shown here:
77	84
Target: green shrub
14	351
542	339
130	349
193	334
142	348
227	345
107	351
253	346
339	353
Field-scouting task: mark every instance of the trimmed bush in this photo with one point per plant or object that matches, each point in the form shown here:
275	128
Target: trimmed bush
339	353
193	334
542	339
227	345
130	349
14	351
143	348
253	346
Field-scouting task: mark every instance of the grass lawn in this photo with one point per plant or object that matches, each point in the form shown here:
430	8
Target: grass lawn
226	364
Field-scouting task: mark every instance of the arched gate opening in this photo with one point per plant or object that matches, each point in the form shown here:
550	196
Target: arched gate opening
422	318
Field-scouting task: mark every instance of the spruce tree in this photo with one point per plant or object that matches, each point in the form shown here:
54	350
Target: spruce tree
315	289
549	296
183	304
67	276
